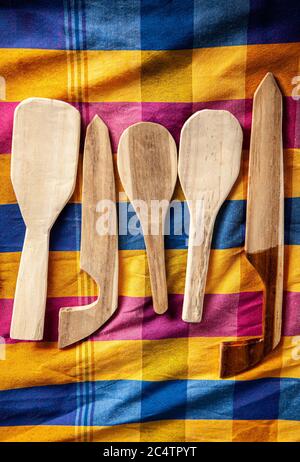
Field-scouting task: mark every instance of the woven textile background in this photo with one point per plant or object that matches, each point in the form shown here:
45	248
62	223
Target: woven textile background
146	377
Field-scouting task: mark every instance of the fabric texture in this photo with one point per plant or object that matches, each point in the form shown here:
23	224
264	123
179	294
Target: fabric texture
145	377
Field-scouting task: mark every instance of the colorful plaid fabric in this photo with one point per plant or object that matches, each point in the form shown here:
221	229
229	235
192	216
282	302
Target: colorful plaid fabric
146	377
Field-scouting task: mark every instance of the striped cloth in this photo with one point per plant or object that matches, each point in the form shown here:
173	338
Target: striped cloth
146	377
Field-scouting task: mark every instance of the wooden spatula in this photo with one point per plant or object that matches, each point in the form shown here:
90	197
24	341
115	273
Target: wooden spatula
208	166
264	226
43	172
99	245
147	163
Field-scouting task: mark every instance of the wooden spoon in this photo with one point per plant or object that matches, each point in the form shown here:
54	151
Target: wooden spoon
208	166
99	247
147	163
264	226
43	173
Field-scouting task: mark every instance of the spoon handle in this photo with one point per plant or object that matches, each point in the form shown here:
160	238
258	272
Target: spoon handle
31	289
200	237
156	263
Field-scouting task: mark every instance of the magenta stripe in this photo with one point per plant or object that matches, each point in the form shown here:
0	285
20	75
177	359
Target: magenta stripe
6	124
224	316
119	116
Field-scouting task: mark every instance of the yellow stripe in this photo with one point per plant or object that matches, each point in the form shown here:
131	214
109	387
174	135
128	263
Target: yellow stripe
229	272
239	192
165	431
288	431
26	365
161	431
201	431
280	59
65	278
218	73
290	357
292	173
7	195
291	268
46	433
204	358
167	76
254	431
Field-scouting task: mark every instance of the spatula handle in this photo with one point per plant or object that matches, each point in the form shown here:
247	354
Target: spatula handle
31	289
200	236
156	263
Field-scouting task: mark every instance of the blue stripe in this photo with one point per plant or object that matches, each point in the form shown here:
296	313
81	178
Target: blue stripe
119	402
257	399
50	405
32	24
274	22
229	228
292	221
220	23
151	24
267	399
289	402
167	25
113	25
65	235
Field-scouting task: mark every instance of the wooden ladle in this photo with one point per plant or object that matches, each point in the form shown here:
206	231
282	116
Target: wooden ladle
147	163
43	172
264	226
208	166
99	245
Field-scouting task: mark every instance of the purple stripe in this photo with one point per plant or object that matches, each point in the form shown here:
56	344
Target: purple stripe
249	317
6	124
291	313
119	116
224	316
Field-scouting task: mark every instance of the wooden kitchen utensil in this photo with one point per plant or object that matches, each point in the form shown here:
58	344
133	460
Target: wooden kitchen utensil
99	247
264	226
208	166
147	163
43	172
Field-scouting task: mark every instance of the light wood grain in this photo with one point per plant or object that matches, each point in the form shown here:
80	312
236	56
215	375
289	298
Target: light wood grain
147	164
264	227
99	246
2	88
43	173
208	166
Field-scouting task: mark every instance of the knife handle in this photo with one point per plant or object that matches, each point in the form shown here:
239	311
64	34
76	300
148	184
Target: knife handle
31	289
269	265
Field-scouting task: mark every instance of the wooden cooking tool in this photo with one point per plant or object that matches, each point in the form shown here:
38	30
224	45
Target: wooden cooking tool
147	163
208	166
99	247
264	226
43	172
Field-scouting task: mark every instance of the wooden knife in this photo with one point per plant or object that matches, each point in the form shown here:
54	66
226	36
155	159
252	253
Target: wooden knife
264	243
99	238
